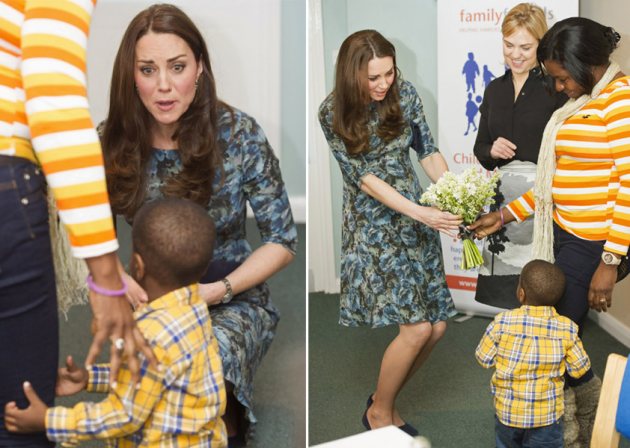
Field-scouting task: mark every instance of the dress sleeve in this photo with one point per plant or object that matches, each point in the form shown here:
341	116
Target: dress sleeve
353	168
54	41
264	189
422	142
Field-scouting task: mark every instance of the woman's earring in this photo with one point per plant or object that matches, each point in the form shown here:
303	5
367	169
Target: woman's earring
196	83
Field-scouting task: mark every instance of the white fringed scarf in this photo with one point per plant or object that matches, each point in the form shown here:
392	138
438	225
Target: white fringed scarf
70	272
546	167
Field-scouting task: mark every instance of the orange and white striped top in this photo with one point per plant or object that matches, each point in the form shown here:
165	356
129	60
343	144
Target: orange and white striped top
591	185
44	115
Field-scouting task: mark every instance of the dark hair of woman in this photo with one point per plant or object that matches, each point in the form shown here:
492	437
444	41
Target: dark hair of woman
127	136
579	44
350	111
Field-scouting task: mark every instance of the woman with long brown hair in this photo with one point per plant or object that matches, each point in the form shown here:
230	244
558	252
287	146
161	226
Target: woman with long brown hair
391	270
168	134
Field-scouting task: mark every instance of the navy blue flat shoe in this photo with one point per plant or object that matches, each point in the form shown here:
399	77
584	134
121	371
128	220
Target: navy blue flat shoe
365	422
364	419
406	427
409	429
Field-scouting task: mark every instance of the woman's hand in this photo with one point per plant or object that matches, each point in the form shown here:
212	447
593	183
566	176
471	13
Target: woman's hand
601	288
502	148
486	224
441	221
212	293
113	320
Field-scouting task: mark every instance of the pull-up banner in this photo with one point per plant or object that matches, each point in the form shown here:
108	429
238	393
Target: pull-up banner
470	55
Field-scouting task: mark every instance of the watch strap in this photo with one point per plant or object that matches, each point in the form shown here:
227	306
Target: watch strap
228	293
610	259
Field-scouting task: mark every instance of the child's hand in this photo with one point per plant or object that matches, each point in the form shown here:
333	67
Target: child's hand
70	379
31	419
135	294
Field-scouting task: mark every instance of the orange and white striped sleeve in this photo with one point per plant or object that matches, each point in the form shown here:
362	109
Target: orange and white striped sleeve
617	118
522	207
54	45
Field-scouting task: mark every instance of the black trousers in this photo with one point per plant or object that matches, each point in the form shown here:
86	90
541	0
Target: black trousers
578	259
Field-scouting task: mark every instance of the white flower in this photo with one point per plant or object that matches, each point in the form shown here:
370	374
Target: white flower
462	194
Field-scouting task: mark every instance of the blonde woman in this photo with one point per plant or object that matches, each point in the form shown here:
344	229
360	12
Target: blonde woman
514	112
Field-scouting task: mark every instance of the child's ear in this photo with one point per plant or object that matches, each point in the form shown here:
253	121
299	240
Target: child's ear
137	267
520	295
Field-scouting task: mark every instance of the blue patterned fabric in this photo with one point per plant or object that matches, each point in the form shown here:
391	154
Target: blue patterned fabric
245	326
391	267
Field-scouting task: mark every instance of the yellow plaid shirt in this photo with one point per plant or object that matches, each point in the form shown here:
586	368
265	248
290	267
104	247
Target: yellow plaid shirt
178	406
531	347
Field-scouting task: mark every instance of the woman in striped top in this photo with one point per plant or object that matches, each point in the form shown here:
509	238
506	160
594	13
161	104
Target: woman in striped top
45	125
582	192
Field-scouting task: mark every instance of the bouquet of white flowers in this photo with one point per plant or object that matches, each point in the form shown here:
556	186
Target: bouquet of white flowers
463	194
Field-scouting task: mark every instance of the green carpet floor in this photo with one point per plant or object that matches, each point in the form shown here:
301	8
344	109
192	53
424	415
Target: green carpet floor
280	384
448	400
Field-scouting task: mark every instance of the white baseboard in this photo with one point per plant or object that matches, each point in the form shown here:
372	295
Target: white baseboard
298	207
612	326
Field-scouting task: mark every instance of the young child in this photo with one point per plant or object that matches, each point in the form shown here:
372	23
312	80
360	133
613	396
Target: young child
531	347
181	401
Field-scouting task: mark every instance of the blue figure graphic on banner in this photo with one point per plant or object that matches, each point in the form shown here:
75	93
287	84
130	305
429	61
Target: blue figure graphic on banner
487	76
472	108
470	70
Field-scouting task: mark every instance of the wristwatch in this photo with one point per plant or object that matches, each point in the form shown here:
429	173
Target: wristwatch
609	259
228	291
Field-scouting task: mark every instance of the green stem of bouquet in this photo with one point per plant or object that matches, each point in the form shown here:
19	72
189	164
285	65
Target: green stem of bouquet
471	257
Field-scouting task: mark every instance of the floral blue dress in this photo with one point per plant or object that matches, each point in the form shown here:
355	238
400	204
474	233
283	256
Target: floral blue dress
391	265
246	325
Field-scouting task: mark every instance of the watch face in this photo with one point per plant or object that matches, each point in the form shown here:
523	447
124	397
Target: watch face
609	258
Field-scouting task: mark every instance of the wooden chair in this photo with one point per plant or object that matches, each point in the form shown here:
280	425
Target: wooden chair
604	433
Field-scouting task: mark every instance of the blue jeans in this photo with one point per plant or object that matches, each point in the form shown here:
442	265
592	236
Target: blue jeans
551	436
29	333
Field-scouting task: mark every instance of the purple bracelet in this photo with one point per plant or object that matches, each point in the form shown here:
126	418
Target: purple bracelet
502	219
104	291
